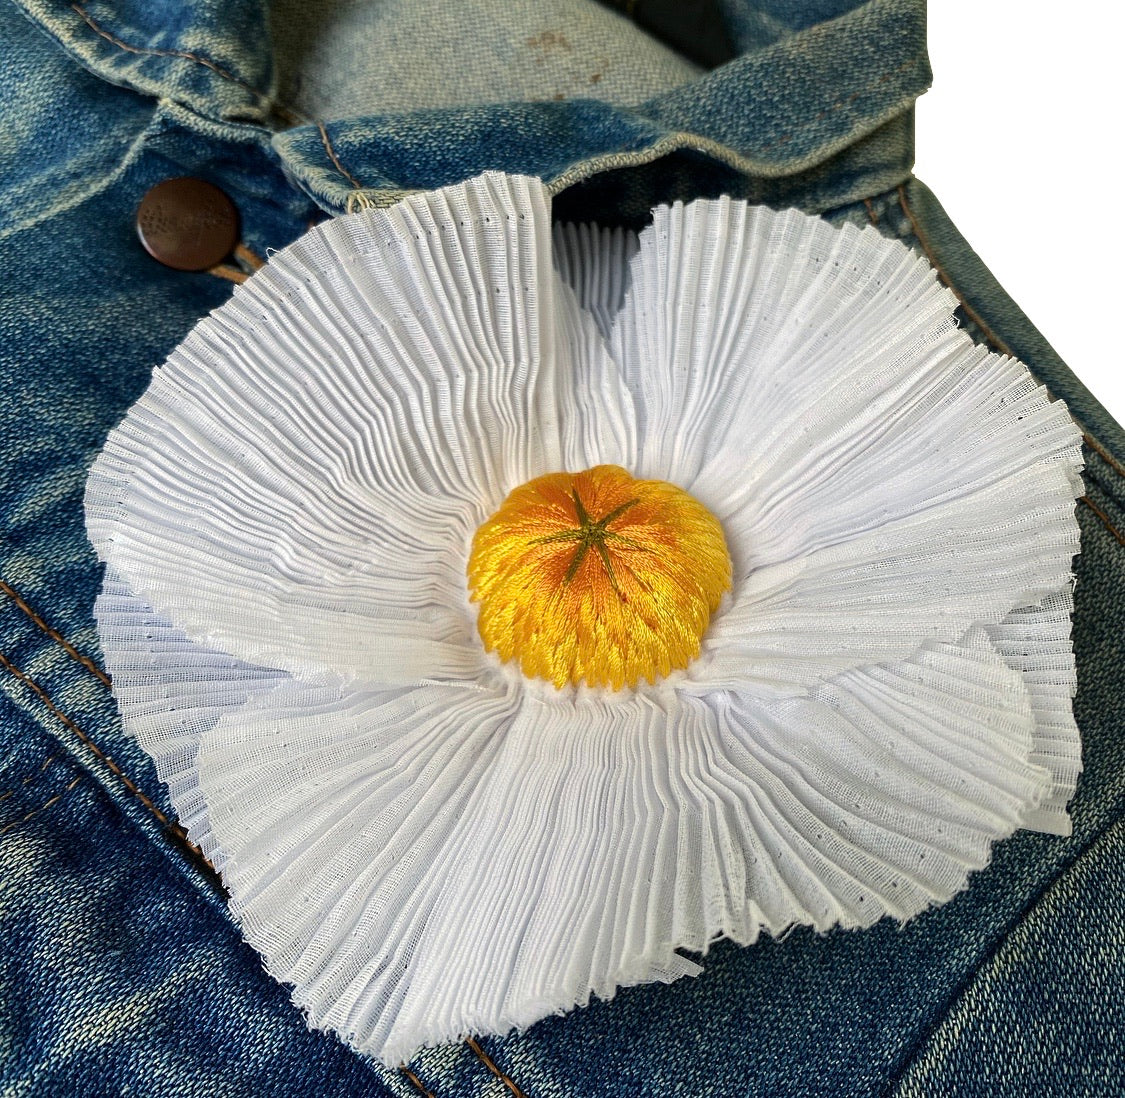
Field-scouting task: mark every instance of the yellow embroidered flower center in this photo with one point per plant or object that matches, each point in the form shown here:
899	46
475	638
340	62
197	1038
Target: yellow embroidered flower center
598	577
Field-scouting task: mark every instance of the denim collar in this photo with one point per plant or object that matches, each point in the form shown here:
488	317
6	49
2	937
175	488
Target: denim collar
820	115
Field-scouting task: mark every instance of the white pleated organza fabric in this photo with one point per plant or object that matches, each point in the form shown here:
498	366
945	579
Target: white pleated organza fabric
424	843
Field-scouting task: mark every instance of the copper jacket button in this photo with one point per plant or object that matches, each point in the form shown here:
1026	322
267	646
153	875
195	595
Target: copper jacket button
187	224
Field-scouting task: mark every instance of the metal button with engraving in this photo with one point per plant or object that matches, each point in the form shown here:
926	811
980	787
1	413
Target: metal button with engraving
187	224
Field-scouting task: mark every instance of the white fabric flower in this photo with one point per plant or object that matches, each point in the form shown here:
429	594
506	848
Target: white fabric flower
424	841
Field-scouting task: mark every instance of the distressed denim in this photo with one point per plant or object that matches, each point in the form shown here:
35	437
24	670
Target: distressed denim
121	971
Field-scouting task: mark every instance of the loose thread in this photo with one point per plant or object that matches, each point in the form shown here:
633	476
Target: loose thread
42	808
30	778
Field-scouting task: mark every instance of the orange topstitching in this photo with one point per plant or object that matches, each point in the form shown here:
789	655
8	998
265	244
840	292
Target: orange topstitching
416	1082
1106	521
55	636
489	1063
280	108
129	784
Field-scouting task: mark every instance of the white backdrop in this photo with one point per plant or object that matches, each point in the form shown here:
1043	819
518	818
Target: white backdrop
1020	138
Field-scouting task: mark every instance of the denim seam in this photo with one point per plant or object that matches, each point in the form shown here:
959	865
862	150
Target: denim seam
489	1063
1106	456
679	139
1104	477
125	780
1105	519
149	51
31	778
274	105
67	647
997	342
176	828
416	1083
42	808
173	829
328	148
674	140
895	1085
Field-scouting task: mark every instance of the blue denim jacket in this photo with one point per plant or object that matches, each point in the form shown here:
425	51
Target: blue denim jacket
121	970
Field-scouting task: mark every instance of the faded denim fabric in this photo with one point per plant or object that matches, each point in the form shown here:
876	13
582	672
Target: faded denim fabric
121	971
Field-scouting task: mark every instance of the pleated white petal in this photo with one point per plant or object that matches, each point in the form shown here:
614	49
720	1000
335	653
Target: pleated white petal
809	382
339	810
596	263
422	864
170	691
885	787
600	427
301	481
749	330
877	596
425	848
1035	640
593	265
890	784
881	481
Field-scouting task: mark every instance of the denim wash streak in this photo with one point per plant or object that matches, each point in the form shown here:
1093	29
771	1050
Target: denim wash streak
120	971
